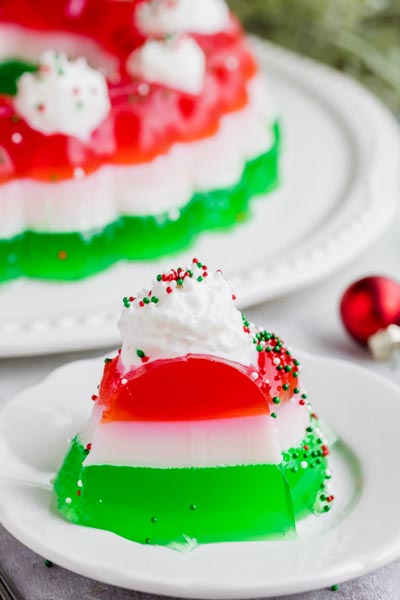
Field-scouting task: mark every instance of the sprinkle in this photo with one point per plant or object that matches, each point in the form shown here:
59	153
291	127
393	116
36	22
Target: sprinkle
140	353
107	360
48	563
124	381
169	290
254	375
304	464
159	277
153	519
62	255
94	397
88	447
146	300
154	299
234	297
193	507
287	368
335	587
79	173
16	138
200	278
285	387
68	500
276	400
274	415
325	450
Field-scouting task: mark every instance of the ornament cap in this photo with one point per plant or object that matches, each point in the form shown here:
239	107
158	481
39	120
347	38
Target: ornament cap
385	342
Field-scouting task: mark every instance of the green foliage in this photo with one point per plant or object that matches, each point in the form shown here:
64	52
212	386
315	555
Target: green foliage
361	37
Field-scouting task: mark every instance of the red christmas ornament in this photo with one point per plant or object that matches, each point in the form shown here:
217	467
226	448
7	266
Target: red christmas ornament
370	305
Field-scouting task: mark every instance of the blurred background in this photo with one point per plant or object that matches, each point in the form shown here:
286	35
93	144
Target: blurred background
361	37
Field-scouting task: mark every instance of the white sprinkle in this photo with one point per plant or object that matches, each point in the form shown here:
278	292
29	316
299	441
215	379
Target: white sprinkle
254	375
276	361
328	472
68	500
16	138
304	464
79	173
174	214
143	89
124	381
80	483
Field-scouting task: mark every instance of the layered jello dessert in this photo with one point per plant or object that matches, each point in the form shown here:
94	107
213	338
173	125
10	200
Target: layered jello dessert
200	431
126	128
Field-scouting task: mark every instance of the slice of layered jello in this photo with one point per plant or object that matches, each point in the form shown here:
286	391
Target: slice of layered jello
200	430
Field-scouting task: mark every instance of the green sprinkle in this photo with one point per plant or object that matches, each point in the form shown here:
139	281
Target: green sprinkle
107	360
288	368
193	507
334	587
199	265
48	563
154	299
304	396
148	541
296	390
285	386
159	277
259	348
153	519
274	415
140	353
279	368
146	300
296	362
179	282
199	278
276	400
190	273
309	429
268	349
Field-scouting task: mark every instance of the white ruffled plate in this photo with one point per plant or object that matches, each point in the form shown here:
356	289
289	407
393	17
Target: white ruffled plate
341	151
361	533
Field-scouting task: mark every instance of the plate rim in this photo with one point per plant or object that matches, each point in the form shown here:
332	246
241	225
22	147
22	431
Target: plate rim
365	563
342	241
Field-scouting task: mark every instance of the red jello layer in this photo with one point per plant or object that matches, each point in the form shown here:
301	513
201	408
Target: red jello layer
191	388
139	127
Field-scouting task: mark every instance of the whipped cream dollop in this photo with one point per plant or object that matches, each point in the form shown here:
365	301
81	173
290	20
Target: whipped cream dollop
177	63
63	96
164	17
186	311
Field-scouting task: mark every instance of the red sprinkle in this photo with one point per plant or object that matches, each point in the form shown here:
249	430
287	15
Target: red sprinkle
330	498
169	290
195	260
301	402
325	450
94	397
141	303
88	447
79	492
306	447
233	296
205	274
131	299
144	359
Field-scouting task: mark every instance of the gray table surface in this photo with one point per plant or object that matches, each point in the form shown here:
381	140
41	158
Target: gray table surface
309	320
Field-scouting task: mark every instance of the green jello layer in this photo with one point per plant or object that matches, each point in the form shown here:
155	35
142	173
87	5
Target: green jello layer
209	504
69	256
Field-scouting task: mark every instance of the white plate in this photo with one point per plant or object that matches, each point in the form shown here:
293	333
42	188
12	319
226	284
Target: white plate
341	156
361	533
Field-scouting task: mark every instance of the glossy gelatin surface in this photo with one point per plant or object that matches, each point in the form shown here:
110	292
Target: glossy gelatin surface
208	504
71	256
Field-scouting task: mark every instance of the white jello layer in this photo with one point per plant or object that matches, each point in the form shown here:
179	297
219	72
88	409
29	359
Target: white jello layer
161	186
237	441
